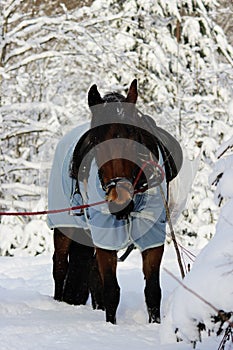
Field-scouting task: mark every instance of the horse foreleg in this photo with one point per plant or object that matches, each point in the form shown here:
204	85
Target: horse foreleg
107	263
151	269
96	286
60	262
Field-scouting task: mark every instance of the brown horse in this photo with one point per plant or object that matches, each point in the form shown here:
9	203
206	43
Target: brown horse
121	140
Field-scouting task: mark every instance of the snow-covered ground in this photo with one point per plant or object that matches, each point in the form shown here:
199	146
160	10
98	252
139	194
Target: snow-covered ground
31	319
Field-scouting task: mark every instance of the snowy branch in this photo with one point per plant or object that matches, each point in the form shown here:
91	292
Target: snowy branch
22	189
39	56
29	165
26	205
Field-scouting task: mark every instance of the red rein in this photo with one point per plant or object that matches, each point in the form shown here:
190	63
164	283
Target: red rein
84	206
54	211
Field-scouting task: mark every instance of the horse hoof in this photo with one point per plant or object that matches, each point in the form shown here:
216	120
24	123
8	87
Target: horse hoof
100	307
154	315
111	319
96	306
79	299
155	320
57	298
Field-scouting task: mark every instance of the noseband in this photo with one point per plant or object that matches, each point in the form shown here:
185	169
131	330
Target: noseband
117	182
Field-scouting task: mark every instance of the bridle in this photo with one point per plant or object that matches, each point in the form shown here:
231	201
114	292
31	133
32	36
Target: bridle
135	185
117	181
132	187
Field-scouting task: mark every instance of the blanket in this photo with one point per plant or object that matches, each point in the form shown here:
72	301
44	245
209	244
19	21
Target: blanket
146	225
61	187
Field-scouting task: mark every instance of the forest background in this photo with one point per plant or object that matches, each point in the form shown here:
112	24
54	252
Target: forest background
51	53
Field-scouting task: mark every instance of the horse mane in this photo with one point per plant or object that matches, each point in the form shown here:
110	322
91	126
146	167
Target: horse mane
113	97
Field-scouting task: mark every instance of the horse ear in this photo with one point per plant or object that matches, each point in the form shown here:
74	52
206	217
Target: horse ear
132	93
94	97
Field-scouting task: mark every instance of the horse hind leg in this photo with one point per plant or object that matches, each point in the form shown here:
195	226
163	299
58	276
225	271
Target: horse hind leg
60	262
151	269
76	290
107	263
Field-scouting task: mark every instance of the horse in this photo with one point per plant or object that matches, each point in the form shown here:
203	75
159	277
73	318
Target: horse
127	160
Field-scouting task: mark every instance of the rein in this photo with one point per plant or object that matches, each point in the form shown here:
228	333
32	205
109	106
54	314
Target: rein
53	211
160	174
84	206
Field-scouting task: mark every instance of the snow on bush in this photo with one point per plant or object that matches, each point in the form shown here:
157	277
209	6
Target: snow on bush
22	239
212	274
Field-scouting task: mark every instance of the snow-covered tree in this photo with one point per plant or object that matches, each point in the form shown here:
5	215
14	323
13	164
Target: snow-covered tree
211	276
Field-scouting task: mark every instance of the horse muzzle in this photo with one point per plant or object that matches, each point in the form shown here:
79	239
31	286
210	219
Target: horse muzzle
120	199
121	211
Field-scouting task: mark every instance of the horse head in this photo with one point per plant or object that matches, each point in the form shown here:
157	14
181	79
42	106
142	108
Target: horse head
121	139
114	134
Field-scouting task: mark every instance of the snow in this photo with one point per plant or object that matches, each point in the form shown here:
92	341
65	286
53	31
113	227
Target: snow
31	319
211	275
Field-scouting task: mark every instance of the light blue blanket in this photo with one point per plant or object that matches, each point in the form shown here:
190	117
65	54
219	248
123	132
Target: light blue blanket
61	186
146	226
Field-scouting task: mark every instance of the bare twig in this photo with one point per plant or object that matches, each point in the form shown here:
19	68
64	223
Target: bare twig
226	149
